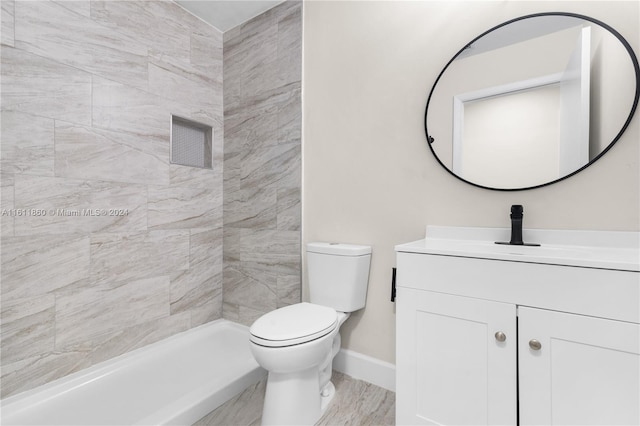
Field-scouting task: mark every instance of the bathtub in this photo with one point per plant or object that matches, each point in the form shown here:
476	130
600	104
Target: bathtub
174	381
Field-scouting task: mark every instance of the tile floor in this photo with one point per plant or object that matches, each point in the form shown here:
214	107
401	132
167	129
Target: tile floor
356	403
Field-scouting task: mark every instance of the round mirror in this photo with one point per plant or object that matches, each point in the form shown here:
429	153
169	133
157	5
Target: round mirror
532	101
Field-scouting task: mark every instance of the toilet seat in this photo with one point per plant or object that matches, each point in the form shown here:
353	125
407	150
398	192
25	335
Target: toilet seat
293	325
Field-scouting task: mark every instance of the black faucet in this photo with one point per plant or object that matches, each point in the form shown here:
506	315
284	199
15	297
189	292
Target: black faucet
516	227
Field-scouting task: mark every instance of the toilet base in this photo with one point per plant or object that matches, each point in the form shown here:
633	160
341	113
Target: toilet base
302	404
303	408
326	396
299	387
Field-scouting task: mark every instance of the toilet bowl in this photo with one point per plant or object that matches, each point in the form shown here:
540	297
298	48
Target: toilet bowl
296	344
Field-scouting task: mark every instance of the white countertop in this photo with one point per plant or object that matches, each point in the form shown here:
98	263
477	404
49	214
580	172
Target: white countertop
590	249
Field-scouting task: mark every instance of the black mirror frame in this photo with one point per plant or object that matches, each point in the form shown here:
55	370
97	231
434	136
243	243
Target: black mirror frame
622	40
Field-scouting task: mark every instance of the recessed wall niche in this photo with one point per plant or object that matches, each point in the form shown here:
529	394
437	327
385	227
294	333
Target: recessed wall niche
191	143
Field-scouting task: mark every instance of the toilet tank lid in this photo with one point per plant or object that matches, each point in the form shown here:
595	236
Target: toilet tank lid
339	249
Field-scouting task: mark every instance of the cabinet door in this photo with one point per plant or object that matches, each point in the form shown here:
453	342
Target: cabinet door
450	368
585	372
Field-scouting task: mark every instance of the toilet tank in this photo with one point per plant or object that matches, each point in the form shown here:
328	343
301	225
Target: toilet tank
338	275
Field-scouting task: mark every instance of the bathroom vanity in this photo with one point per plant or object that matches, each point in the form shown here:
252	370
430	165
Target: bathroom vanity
500	334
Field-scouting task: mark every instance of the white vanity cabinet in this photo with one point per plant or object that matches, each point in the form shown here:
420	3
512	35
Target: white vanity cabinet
491	334
585	372
449	367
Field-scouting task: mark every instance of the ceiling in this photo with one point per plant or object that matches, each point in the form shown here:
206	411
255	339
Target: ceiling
521	30
226	14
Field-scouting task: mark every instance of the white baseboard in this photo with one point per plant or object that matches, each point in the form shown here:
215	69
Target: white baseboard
363	367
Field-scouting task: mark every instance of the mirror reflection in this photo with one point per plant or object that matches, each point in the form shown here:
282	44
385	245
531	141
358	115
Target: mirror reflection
531	102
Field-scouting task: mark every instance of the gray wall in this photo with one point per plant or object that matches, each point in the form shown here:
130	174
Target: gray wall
262	163
87	93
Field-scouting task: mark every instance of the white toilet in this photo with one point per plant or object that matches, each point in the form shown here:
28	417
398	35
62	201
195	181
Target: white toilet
296	344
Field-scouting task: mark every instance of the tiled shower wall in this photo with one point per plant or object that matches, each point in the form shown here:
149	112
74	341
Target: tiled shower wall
262	163
87	92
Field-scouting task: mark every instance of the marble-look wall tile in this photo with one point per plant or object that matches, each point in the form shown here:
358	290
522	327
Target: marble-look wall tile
27	144
91	153
205	247
252	208
243	314
79	206
291	166
269	245
250	124
208	98
184	207
172	33
27	327
260	269
242	290
248	316
6	205
262	175
88	313
289	209
170	75
191	95
30	372
199	289
35	265
190	293
163	27
196	177
253	42
87	95
230	311
119	107
261	78
179	86
39	86
210	115
265	256
124	257
7	17
289	46
290	115
207	312
53	31
124	108
288	290
231	246
206	52
82	7
272	166
231	185
261	249
136	336
253	120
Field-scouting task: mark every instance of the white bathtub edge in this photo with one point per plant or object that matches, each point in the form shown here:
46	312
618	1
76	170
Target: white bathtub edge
77	378
172	414
181	413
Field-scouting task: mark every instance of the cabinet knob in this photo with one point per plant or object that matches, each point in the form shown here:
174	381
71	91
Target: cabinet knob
500	336
535	345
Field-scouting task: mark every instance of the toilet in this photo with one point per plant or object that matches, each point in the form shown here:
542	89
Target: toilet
296	344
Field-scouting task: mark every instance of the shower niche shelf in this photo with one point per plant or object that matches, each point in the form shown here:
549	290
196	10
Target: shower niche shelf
191	143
